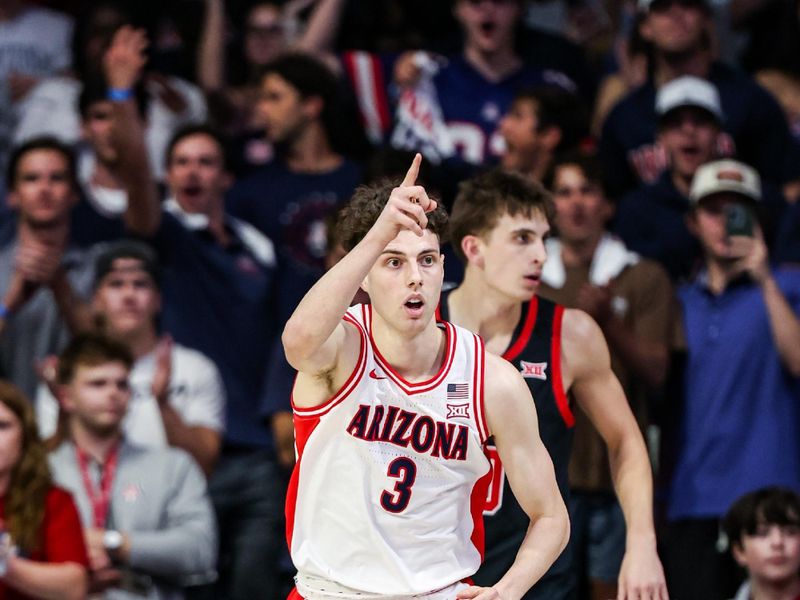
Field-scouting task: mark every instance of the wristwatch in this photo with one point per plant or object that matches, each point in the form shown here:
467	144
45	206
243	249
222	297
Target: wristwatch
112	540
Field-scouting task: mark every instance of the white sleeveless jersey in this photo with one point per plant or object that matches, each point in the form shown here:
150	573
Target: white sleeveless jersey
387	495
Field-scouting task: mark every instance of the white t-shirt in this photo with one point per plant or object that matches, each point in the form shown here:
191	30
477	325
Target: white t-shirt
195	392
37	43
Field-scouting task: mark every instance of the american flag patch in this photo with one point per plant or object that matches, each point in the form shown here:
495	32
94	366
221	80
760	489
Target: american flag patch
457	391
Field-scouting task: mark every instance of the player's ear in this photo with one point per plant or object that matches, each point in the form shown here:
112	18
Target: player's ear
472	246
738	554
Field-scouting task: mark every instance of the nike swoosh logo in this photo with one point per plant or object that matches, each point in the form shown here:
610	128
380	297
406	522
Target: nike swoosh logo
374	375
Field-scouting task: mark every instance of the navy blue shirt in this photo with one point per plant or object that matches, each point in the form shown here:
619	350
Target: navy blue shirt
739	430
218	300
651	221
472	106
290	208
758	133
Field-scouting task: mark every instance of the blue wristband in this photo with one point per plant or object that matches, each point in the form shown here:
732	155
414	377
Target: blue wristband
119	94
4	312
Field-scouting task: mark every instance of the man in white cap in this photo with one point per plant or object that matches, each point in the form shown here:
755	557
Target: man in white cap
680	32
741	385
651	219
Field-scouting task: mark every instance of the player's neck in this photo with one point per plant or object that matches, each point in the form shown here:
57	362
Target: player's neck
494	66
764	590
415	358
55	233
719	273
478	307
311	151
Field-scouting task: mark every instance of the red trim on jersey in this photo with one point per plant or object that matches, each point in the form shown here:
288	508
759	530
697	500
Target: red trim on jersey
423	386
477	387
438	313
558	383
303	428
294	595
476	505
525	335
348	386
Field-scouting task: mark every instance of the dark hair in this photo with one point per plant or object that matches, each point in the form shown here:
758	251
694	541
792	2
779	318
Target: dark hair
359	215
92	350
199	129
556	107
30	478
40	143
588	163
482	200
132	249
771	506
95	89
310	77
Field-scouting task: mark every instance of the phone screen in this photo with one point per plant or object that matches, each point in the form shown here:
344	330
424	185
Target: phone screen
738	220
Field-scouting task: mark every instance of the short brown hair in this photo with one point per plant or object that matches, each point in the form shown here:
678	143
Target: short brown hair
482	200
90	349
359	215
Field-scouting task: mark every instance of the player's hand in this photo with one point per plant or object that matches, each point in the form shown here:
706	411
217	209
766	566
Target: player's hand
479	593
125	58
406	208
641	576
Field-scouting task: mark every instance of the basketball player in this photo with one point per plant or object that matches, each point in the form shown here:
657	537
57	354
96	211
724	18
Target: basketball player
391	415
498	227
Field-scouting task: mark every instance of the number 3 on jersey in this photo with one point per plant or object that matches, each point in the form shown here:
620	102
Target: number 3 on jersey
405	471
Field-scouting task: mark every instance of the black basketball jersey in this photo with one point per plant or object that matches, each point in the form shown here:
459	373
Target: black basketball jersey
535	350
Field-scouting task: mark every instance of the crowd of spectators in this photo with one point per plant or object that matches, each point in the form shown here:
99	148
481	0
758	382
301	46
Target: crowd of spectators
173	171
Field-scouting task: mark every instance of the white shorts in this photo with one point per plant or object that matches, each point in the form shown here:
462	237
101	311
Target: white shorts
317	588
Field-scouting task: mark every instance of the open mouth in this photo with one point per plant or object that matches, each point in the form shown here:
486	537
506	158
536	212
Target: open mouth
535	278
192	191
488	27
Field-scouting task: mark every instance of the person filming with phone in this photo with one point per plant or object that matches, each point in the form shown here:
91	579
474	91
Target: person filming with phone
741	384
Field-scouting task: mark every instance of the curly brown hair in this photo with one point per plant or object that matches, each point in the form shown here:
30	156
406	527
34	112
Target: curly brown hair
30	477
359	215
482	200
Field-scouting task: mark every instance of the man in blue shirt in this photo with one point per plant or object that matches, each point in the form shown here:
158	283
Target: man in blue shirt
741	413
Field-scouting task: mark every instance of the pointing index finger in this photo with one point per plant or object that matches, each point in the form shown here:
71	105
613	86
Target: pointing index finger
413	171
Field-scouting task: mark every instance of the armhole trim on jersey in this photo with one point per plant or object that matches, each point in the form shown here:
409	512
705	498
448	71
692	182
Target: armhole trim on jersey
408	387
562	402
479	407
347	387
525	335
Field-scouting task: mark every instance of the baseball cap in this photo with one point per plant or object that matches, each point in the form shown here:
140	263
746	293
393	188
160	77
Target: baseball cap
128	249
688	91
725	176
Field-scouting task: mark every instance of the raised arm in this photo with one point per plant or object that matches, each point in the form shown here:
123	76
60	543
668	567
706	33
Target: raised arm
211	51
512	420
315	340
587	365
322	26
123	63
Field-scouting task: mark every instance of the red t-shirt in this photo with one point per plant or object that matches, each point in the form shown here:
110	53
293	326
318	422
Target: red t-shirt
61	540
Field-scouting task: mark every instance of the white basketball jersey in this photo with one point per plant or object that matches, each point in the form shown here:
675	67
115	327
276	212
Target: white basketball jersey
387	495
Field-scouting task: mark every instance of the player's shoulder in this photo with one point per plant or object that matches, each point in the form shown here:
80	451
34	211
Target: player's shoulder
581	336
500	376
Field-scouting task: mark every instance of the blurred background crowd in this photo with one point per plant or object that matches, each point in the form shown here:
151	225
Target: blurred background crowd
173	171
